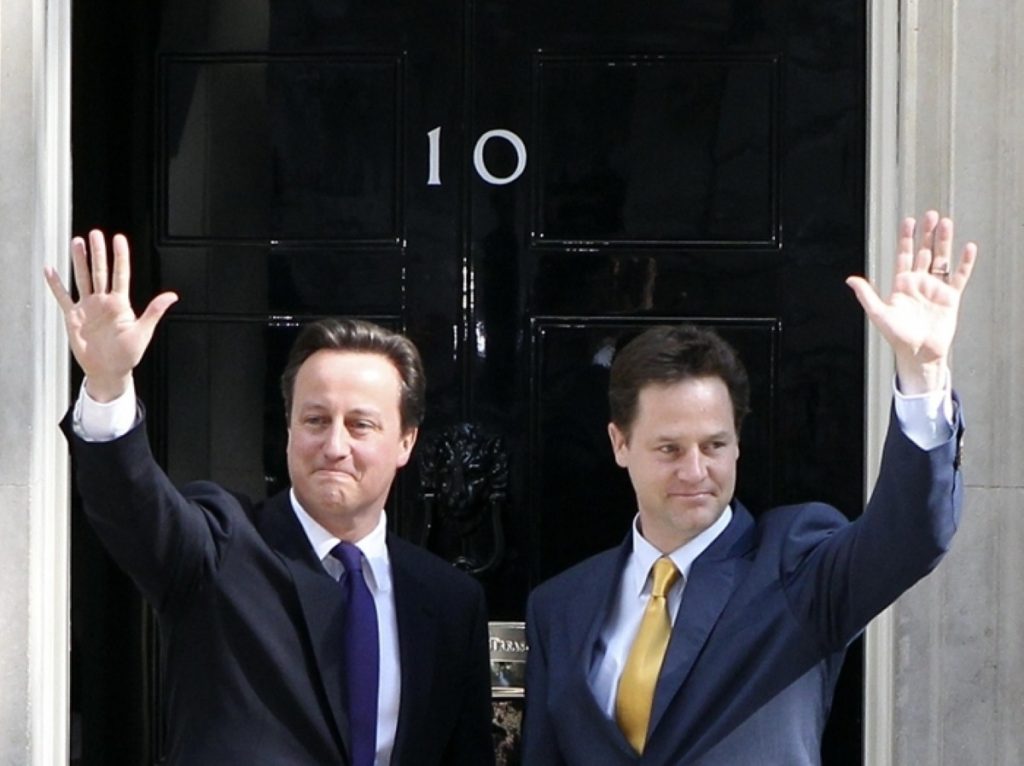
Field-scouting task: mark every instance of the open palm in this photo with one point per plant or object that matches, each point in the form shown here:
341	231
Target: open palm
105	336
919	317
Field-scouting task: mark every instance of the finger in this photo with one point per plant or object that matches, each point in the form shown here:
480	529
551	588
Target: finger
122	276
98	247
923	260
156	309
963	271
943	250
57	288
80	261
905	246
866	295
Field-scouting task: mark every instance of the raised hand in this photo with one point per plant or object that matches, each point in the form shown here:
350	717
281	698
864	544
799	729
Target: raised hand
105	336
919	317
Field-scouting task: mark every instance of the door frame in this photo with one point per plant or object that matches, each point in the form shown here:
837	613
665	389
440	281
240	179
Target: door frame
40	95
886	199
47	620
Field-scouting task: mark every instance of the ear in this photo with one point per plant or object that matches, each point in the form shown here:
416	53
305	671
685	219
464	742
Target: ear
405	444
620	445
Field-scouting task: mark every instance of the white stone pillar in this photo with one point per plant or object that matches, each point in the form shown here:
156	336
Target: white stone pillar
34	195
946	664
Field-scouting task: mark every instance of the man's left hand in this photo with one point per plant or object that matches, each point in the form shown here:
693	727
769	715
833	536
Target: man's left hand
919	317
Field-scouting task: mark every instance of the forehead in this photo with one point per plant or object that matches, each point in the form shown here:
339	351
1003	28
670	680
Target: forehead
692	400
334	373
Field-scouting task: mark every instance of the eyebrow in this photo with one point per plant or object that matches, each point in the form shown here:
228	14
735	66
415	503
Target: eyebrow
722	435
363	412
356	411
663	438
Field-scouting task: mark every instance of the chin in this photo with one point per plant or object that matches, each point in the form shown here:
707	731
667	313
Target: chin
697	520
326	503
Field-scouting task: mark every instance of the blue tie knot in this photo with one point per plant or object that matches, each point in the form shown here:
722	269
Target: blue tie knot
349	555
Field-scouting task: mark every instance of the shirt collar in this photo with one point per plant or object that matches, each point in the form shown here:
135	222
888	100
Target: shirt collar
644	554
374	546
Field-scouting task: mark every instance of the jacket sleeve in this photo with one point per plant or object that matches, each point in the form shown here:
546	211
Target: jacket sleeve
163	540
840	575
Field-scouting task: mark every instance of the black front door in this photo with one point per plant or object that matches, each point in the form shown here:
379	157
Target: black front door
519	187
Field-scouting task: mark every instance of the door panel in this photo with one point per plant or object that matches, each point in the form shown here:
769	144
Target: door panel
655	149
281	147
520	187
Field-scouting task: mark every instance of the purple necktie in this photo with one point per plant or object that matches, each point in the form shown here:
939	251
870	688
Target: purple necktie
361	652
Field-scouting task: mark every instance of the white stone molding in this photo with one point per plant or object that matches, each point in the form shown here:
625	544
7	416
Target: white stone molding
35	179
883	204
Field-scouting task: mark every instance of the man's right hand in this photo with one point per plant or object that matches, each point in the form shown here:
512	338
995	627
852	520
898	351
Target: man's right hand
105	336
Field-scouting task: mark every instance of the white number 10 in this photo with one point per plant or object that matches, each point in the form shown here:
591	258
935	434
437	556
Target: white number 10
434	171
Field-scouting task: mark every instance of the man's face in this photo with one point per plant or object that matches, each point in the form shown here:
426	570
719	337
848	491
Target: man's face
681	453
345	439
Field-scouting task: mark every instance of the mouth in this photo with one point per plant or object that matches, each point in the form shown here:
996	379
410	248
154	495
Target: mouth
333	473
691	495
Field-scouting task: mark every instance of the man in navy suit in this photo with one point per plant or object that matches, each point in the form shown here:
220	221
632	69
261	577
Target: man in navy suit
709	637
257	601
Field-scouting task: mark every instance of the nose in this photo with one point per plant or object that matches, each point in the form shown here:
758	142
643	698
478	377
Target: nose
336	443
691	467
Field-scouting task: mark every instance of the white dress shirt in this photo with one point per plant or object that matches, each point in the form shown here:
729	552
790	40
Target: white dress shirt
925	419
96	422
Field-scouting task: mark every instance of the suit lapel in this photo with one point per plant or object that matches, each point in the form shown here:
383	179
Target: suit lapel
417	638
320	599
713	578
586	615
593	605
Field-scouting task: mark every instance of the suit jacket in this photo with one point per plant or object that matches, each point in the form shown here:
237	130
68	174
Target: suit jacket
765	619
250	623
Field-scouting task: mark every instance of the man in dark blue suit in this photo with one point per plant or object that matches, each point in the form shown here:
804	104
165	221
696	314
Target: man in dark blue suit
296	630
712	638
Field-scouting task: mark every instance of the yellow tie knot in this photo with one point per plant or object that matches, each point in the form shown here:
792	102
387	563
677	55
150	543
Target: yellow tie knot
665	576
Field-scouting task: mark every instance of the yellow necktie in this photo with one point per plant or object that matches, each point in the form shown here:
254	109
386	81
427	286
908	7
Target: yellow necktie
636	686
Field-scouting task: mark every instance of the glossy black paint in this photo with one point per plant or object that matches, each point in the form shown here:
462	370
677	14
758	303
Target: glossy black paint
699	161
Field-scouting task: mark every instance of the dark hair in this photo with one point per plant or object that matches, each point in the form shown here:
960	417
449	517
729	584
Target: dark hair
665	355
363	337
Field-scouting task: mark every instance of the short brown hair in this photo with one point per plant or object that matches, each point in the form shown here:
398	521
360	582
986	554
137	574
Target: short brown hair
364	337
671	354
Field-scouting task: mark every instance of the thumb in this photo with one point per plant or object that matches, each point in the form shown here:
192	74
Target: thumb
156	309
866	295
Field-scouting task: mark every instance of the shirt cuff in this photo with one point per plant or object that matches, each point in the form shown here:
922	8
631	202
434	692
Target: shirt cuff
926	419
94	421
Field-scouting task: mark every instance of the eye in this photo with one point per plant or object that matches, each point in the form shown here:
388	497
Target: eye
668	449
362	426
